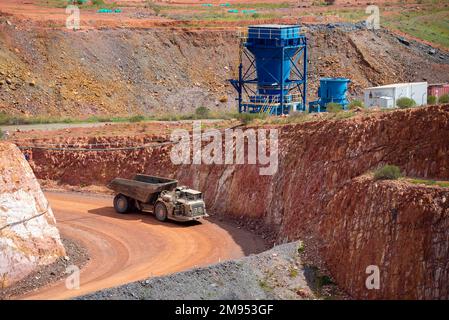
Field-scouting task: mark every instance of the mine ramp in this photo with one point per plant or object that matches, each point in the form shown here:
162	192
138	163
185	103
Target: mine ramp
143	187
161	196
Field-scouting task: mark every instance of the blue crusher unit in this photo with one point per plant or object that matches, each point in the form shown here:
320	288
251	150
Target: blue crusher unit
275	79
331	90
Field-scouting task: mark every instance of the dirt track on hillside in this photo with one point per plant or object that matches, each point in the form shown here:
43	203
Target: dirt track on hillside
126	248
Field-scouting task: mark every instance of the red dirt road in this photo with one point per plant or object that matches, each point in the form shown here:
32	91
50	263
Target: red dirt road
126	248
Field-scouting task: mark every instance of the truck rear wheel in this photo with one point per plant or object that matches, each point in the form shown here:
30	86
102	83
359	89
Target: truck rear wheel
121	203
160	211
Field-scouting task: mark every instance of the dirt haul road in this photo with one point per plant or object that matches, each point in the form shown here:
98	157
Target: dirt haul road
126	248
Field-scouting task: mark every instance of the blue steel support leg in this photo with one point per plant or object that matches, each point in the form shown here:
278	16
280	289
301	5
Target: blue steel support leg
304	91
282	84
240	87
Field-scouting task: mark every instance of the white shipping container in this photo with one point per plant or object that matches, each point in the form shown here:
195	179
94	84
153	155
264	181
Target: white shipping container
376	96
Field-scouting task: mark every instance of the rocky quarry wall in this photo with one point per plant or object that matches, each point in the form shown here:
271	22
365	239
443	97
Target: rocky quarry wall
317	195
28	234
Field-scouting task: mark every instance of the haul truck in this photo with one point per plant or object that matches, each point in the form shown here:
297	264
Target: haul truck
158	195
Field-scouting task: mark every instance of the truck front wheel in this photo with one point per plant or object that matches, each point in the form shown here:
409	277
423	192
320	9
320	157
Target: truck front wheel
160	210
121	203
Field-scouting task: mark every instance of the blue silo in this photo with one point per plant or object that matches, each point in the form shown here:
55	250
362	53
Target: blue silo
331	90
276	80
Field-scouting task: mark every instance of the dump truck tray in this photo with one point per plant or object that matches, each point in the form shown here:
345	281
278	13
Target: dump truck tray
143	187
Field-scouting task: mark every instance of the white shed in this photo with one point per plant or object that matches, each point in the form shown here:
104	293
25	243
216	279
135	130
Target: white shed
386	96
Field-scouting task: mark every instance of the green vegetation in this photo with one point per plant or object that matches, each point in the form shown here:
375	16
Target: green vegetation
354	104
247	118
404	103
261	5
293	273
212	16
387	172
319	280
431	100
348	14
324	280
265	286
444	99
443	184
301	247
343	115
137	118
202	113
153	6
98	2
430	24
83	4
334	107
1	134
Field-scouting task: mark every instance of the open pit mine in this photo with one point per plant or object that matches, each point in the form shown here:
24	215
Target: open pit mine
150	153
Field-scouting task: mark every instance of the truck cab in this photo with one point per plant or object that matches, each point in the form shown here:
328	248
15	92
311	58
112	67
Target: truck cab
189	203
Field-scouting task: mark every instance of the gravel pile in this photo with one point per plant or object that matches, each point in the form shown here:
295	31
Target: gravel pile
274	274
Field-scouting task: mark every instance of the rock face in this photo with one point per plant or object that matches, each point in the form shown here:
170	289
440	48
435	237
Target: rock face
28	234
312	195
401	228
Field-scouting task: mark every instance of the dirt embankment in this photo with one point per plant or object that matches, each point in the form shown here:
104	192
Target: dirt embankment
127	71
305	198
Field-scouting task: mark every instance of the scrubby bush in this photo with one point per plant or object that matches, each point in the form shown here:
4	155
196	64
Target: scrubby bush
444	99
431	100
247	118
98	2
153	6
334	107
387	172
404	103
354	104
202	112
137	118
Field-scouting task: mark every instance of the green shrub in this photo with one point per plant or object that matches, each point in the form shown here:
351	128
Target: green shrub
247	118
99	119
1	134
153	6
354	104
387	172
301	247
202	112
98	2
137	118
404	103
334	107
444	99
431	100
